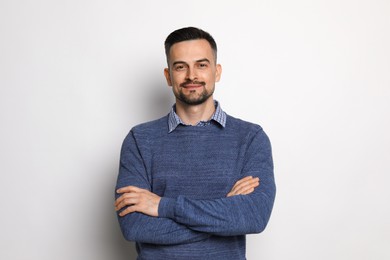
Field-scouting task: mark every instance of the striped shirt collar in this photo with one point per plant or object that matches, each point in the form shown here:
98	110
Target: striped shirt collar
219	116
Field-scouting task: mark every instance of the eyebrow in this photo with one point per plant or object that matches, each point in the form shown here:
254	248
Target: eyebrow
203	60
183	62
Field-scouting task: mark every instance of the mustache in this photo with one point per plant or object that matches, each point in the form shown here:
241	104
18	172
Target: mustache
188	82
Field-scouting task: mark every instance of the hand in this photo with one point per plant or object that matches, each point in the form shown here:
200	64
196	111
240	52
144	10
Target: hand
244	186
137	200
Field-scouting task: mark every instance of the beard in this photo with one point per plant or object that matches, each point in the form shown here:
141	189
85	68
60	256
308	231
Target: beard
193	98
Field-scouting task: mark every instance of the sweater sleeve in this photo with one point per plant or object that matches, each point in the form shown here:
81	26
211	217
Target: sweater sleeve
140	227
236	215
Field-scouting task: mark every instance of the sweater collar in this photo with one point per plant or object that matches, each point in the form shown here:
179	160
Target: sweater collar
219	116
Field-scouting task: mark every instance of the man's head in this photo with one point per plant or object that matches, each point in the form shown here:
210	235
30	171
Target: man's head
187	34
192	69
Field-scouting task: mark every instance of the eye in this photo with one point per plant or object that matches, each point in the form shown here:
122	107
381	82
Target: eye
203	65
179	67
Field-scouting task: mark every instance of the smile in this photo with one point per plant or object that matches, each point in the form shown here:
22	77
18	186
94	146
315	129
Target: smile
192	86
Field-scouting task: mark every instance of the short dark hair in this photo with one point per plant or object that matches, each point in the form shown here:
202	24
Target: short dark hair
187	34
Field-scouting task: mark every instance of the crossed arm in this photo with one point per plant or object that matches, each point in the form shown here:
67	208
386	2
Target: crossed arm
134	199
146	217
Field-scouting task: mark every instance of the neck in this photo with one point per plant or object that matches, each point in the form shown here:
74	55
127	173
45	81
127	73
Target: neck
192	114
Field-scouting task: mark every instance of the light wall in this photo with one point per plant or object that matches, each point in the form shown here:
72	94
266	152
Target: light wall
75	76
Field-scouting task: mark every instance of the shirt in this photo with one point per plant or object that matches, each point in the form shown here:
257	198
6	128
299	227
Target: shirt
219	116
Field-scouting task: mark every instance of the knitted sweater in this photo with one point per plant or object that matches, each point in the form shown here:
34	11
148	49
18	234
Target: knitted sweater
192	169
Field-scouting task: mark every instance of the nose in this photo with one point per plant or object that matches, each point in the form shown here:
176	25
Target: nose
191	74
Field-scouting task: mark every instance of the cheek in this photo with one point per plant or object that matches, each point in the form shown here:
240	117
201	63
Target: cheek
177	78
210	77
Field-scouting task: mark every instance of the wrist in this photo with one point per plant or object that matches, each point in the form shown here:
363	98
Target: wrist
166	208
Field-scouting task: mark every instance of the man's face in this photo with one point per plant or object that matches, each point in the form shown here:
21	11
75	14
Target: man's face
192	71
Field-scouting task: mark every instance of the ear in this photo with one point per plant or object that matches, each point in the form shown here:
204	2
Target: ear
168	76
218	72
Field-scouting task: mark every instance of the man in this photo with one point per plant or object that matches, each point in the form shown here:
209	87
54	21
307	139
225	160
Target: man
192	184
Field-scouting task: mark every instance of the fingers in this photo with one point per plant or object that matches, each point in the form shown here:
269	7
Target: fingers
134	199
247	178
247	189
128	192
130	196
127	199
128	210
129	189
244	186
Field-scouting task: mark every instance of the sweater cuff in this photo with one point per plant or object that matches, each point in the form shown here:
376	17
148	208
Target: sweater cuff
166	208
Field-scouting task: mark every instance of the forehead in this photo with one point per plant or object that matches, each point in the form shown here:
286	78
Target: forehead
191	51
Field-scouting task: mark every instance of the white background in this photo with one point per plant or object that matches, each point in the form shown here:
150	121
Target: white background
75	76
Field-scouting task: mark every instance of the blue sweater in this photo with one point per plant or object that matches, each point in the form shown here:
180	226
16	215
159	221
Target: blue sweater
193	169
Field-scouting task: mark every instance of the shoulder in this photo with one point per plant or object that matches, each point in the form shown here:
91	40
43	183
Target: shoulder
245	130
155	126
240	125
146	131
249	133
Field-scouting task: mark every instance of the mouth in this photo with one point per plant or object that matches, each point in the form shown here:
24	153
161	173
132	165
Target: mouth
192	85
